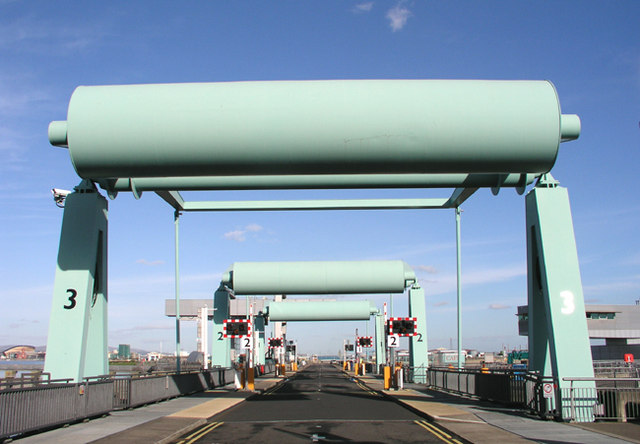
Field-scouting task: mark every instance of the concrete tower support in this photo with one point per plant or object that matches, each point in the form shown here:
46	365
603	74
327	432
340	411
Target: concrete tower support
418	347
220	346
558	336
77	341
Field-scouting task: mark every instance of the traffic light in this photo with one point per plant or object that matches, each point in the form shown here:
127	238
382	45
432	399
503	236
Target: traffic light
275	342
403	326
291	348
236	328
365	341
348	347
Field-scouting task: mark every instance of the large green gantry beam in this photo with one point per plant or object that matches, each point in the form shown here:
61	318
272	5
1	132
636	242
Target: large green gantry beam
463	134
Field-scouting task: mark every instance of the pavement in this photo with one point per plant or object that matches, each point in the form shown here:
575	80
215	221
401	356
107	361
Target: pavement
483	422
474	421
159	423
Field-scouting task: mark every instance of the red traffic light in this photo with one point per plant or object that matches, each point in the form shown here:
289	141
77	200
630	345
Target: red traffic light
403	326
237	328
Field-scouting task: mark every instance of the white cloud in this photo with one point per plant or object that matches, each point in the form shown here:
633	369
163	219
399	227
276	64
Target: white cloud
398	16
498	306
236	235
426	268
150	263
446	283
253	228
241	235
363	7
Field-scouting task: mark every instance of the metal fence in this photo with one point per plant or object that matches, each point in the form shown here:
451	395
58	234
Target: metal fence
611	399
511	387
48	403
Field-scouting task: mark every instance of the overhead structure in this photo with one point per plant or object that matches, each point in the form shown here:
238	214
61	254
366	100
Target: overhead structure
461	134
323	277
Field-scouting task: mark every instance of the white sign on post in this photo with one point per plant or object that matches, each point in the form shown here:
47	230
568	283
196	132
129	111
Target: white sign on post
246	342
547	390
393	341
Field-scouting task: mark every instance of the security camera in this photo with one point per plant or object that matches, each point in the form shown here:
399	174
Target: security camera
59	196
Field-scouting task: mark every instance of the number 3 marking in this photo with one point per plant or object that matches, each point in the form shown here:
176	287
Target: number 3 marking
72	299
568	304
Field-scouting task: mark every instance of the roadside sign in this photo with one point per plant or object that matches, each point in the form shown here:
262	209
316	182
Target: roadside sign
393	341
547	390
246	342
236	328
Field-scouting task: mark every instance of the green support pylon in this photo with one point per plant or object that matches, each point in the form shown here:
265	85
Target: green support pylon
558	335
418	347
260	343
220	346
77	341
381	346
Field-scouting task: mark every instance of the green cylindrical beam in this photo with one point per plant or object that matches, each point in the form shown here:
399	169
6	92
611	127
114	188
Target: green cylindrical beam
320	311
323	181
314	127
341	277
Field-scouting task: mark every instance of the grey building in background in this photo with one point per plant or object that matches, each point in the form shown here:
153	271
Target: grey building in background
618	325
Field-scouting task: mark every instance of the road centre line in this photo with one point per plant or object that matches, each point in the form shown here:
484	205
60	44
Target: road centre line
200	433
441	434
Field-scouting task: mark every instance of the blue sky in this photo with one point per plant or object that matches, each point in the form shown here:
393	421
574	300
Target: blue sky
590	50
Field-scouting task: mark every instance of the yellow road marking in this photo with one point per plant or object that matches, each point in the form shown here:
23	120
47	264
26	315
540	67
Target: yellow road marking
444	436
200	433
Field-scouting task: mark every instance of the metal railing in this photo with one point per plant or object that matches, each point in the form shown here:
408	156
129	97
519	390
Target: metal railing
515	388
48	403
603	399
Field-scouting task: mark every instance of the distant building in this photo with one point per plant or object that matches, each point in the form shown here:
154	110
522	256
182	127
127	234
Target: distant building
153	356
618	325
124	351
18	352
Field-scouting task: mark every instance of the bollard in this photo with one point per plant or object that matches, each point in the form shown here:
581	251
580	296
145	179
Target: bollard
251	379
387	377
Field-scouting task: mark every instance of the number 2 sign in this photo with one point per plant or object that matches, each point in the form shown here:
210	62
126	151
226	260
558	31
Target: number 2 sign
393	341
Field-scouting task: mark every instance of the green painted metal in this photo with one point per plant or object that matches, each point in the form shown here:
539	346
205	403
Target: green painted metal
306	205
338	277
321	181
220	346
459	284
418	347
176	222
320	311
314	127
261	340
381	346
558	336
77	340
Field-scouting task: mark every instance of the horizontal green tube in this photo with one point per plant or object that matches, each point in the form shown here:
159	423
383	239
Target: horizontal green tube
341	277
320	311
323	181
314	127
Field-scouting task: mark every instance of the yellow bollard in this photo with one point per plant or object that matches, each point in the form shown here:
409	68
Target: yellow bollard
387	377
251	379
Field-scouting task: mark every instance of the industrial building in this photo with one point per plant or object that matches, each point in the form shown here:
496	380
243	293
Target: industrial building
618	325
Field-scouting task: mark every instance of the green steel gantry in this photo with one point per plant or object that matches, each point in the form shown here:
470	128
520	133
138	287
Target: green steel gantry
461	134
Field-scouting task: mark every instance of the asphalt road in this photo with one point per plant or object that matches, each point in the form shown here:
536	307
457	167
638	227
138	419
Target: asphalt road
318	404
